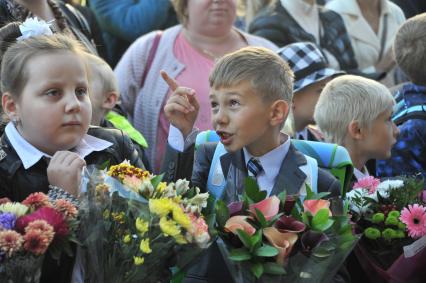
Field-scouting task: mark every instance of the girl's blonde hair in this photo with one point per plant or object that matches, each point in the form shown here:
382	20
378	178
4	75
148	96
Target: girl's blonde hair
15	55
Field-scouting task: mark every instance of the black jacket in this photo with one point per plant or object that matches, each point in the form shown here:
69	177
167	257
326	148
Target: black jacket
276	24
16	183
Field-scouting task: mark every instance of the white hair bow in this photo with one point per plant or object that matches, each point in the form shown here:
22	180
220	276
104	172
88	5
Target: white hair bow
34	27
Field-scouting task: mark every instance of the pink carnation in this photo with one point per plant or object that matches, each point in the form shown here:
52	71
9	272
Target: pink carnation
415	218
37	241
10	242
370	183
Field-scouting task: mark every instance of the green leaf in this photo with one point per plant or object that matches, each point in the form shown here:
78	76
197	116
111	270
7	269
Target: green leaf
282	196
262	220
222	213
239	254
156	180
320	217
253	191
274	268
257	269
309	193
320	195
323	226
305	218
266	251
245	238
256	238
104	165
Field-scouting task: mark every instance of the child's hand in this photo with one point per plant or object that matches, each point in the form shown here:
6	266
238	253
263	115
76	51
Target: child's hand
182	107
64	171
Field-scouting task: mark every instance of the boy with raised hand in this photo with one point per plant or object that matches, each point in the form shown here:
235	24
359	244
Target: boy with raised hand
409	152
251	93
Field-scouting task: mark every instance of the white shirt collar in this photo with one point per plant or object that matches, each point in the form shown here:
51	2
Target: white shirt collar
359	174
271	163
304	134
300	5
30	155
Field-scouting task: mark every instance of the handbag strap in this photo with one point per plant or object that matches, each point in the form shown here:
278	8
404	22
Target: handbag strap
151	56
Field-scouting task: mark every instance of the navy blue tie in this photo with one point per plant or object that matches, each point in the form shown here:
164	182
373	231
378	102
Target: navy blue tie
253	165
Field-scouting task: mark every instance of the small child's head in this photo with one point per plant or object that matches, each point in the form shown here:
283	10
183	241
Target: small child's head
251	92
44	88
103	88
311	75
356	112
410	49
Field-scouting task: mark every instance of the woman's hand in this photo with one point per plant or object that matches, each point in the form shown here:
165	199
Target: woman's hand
64	171
182	107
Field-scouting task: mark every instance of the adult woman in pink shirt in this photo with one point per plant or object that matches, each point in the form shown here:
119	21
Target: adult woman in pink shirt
187	53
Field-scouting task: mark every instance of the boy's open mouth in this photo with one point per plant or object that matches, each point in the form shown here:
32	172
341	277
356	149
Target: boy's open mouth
225	137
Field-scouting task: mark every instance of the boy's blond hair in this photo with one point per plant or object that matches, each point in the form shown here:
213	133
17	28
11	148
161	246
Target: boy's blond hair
100	70
350	98
410	48
268	73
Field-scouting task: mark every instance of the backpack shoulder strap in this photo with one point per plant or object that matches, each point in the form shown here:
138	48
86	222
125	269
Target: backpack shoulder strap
412	112
216	180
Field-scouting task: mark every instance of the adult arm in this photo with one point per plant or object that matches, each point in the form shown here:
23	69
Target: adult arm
129	19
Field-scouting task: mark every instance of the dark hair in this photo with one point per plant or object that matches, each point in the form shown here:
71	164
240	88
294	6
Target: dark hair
15	54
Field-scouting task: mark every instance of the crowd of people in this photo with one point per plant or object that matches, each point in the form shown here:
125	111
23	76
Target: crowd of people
84	82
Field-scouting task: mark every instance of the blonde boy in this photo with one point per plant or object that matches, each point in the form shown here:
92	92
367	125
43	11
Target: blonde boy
356	112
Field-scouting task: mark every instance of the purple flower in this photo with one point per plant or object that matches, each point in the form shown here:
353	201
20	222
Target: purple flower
7	221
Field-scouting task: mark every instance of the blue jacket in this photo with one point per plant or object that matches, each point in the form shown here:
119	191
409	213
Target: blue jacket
409	152
125	20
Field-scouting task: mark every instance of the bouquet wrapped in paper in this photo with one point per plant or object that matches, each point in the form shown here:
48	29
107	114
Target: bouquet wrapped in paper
282	239
134	227
31	228
392	216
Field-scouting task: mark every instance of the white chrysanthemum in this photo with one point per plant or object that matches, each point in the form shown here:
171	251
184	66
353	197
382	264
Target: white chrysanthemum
15	208
182	186
384	187
34	27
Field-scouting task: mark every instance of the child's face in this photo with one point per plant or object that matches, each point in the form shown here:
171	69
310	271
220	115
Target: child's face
304	102
54	107
242	119
379	139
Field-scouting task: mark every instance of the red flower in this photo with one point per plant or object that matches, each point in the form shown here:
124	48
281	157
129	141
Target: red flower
37	200
36	241
50	215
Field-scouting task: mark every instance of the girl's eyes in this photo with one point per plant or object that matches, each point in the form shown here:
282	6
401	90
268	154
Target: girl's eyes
81	91
213	104
52	92
234	102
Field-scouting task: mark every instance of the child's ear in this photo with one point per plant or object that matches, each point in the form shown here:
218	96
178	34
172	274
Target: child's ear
10	107
279	112
355	131
110	100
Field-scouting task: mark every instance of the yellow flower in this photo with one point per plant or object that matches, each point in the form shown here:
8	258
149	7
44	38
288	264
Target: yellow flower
127	239
169	227
161	207
180	239
141	226
138	260
118	217
144	246
161	187
14	208
106	214
181	218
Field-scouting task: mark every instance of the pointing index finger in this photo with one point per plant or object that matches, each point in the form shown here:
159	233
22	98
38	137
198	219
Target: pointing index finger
171	82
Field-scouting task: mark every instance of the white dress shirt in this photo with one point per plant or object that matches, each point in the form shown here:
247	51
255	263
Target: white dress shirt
30	155
303	133
271	163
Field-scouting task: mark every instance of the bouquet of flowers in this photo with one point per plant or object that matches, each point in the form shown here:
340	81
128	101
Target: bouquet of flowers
134	226
392	216
282	239
28	230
